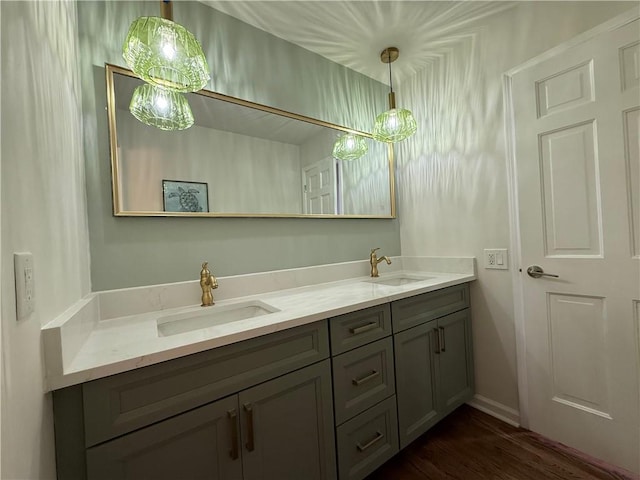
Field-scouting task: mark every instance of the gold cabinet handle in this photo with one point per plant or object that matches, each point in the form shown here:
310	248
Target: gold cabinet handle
441	339
361	448
363	328
359	381
437	336
249	411
233	419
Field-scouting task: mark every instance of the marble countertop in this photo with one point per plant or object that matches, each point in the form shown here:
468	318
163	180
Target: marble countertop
106	346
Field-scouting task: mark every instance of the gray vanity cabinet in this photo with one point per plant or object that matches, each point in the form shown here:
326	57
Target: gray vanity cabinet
257	409
281	429
433	360
263	409
195	445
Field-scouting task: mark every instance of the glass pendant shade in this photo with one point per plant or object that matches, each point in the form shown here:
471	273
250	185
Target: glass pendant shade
350	147
394	125
165	54
161	108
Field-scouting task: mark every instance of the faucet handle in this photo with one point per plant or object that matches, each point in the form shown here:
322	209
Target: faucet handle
205	270
373	250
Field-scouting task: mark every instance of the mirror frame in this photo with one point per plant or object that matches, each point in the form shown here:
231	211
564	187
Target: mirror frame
118	210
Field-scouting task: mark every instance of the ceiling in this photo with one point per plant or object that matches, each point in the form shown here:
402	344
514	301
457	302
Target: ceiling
353	33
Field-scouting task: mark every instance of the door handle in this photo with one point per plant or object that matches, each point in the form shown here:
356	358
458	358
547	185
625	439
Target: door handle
437	338
233	419
441	339
249	411
536	271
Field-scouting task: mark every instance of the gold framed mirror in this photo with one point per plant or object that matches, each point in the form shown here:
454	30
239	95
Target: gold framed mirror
240	159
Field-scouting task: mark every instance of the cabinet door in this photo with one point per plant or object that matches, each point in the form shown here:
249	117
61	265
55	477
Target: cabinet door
200	444
455	360
287	427
416	384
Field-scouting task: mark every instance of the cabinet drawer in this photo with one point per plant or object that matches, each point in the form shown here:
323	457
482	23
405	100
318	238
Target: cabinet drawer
359	328
362	378
367	441
413	311
122	403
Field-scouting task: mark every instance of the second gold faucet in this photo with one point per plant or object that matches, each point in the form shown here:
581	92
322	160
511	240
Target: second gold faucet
374	261
207	282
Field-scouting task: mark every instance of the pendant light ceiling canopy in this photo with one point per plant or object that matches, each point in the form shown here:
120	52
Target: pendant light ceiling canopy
396	124
350	147
161	108
165	54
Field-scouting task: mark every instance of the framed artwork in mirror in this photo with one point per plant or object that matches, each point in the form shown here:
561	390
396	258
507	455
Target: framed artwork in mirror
179	196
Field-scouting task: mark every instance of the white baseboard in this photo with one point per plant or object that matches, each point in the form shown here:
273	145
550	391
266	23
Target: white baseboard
495	409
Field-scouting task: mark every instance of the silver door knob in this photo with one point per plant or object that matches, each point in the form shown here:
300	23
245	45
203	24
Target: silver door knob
536	271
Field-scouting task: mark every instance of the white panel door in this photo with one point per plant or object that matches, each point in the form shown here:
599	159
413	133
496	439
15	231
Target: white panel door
319	187
577	169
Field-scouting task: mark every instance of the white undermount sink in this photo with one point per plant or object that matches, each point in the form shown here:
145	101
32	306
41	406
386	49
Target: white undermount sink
176	323
398	281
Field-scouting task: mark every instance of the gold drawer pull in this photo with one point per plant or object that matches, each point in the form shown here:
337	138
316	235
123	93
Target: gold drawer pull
363	328
359	381
379	436
233	419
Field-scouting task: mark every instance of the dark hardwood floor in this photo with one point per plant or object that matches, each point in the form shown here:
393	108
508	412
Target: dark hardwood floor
470	445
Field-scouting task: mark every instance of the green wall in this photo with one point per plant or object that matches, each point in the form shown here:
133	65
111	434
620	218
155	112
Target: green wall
246	63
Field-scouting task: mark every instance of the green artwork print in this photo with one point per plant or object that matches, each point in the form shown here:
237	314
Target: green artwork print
191	197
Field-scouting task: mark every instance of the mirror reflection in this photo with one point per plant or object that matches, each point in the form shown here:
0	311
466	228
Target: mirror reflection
239	159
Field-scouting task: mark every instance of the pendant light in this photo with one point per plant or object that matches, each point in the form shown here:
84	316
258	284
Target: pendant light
395	124
350	147
161	108
165	54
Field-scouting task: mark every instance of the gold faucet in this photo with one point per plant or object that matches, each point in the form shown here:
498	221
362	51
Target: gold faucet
207	282
374	261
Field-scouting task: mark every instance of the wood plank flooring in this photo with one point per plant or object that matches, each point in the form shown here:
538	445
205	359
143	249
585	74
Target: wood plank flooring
471	445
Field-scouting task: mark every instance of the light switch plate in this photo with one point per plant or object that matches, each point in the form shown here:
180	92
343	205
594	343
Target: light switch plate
25	291
496	258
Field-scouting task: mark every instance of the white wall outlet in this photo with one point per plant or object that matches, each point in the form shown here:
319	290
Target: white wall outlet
25	291
497	258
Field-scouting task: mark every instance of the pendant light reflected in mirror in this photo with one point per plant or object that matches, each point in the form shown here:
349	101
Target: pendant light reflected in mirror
165	54
396	124
350	147
161	108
